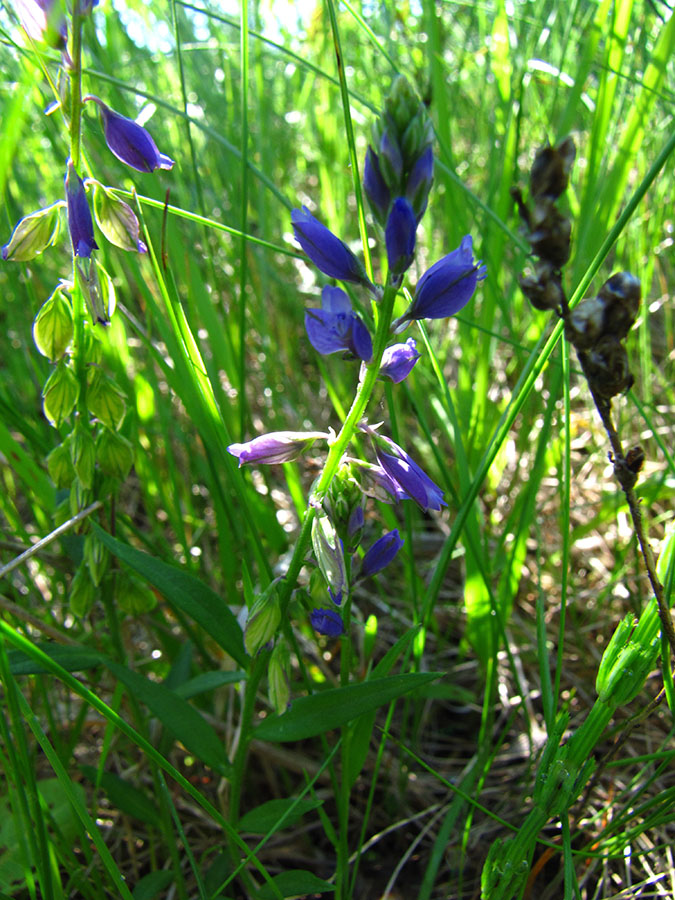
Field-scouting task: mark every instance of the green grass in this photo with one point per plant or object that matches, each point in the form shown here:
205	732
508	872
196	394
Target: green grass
511	593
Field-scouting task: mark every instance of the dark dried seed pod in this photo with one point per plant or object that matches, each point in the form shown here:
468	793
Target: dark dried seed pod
550	237
585	323
550	170
621	296
543	290
606	367
635	459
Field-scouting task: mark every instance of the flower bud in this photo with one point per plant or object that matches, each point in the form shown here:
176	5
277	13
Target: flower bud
329	556
79	216
343	504
114	454
132	596
620	296
60	467
398	360
275	447
83	455
33	234
328	253
382	552
82	593
105	400
98	293
96	556
130	142
60	394
79	497
400	236
117	220
263	620
327	621
278	677
606	367
53	326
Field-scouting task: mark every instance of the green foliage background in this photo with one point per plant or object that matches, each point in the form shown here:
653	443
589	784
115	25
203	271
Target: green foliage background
207	343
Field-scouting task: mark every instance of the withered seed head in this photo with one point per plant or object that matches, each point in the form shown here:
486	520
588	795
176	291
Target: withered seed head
606	367
550	170
621	297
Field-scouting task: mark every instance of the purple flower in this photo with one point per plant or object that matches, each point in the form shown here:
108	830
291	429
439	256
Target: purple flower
375	483
80	222
446	287
391	159
275	447
419	181
405	472
336	327
129	141
381	554
398	360
43	21
327	621
331	255
400	236
375	187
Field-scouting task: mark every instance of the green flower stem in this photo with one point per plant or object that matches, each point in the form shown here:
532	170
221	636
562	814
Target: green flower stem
354	416
75	73
342	869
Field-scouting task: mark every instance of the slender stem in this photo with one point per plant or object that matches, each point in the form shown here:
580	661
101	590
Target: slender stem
358	407
75	72
627	478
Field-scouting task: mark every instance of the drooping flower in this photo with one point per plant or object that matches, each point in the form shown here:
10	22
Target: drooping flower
275	447
403	470
336	327
375	483
398	360
399	236
33	234
328	253
446	287
80	222
327	621
130	142
381	554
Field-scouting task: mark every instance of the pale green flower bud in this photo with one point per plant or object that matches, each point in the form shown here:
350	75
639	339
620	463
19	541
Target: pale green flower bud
115	454
98	293
278	675
132	596
33	234
60	467
53	326
263	620
329	556
60	394
82	593
83	455
117	220
105	400
96	557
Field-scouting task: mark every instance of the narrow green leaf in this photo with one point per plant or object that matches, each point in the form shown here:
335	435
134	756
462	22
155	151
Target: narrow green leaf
332	708
208	681
124	796
296	883
72	659
264	819
151	885
189	594
176	714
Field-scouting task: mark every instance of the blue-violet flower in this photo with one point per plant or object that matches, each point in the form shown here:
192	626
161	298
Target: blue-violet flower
336	327
130	142
375	187
419	182
80	222
398	360
399	236
402	469
446	287
331	255
275	447
375	483
381	554
327	621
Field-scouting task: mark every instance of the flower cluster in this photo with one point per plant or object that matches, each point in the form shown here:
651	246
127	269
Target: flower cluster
398	175
94	457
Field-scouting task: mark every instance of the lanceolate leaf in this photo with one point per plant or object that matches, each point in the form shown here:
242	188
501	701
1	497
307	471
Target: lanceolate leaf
186	592
331	709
